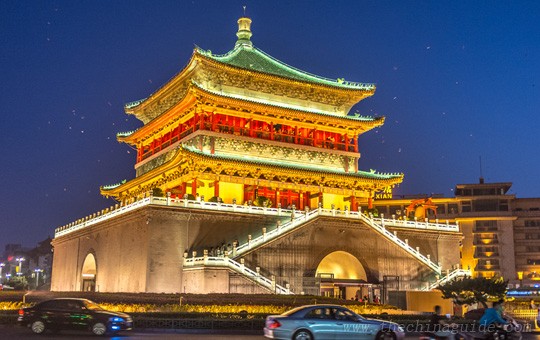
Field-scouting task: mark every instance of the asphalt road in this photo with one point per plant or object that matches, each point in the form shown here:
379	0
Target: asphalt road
17	332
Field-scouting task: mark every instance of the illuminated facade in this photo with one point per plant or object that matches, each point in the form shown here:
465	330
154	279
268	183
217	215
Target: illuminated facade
247	180
501	233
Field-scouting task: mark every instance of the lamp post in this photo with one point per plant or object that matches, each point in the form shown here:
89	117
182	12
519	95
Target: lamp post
20	260
37	270
520	278
2	265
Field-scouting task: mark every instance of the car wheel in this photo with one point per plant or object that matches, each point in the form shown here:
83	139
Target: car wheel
302	335
38	327
385	335
99	328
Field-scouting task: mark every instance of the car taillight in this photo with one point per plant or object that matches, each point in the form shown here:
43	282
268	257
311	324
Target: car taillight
21	312
272	324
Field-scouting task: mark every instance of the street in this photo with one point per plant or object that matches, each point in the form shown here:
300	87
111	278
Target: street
16	332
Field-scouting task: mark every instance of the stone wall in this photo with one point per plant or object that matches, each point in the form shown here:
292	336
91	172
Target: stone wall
142	251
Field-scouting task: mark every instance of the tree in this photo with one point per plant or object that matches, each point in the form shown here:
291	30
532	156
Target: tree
467	290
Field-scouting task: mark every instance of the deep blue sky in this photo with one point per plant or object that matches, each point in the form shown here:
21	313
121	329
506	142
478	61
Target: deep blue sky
456	80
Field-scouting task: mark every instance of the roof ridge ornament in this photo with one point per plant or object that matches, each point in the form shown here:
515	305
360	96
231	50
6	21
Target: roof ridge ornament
244	32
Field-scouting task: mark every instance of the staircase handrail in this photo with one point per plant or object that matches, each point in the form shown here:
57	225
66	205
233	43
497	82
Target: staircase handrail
215	261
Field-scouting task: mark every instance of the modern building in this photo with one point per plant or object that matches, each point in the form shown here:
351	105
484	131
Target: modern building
501	233
247	180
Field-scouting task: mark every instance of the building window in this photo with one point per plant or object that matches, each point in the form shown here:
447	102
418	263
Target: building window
530	236
532	223
486	205
466	206
485	226
533	261
452	208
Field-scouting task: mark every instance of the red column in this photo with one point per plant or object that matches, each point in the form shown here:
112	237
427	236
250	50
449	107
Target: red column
271	131
289	200
301	200
201	121
194	187
216	188
276	198
353	203
346	143
183	189
355	140
320	197
213	120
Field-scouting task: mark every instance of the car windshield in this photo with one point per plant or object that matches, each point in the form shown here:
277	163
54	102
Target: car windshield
92	305
292	311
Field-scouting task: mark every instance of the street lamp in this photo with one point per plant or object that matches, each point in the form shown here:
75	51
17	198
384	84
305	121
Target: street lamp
19	259
2	265
37	270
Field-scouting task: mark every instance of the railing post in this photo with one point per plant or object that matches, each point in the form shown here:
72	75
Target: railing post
320	208
205	257
279	209
416	222
235	245
417	249
273	278
185	200
394	218
258	270
185	257
168	198
194	254
347	211
288	288
333	210
279	227
242	265
264	234
249	241
382	220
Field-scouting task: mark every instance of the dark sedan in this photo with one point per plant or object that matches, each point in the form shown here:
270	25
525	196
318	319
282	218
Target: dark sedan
328	322
73	314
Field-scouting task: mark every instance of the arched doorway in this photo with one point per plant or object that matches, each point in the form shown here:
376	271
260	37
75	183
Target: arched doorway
89	272
341	275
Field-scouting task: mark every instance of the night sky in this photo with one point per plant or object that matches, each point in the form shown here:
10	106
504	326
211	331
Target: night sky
456	81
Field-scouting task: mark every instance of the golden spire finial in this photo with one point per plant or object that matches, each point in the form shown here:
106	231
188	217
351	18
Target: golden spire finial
244	31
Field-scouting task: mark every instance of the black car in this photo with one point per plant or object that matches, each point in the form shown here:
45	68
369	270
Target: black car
73	314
